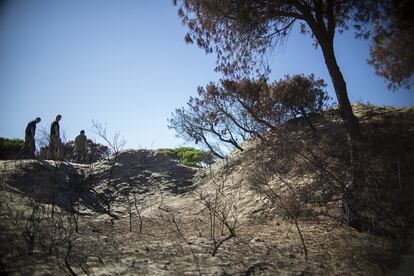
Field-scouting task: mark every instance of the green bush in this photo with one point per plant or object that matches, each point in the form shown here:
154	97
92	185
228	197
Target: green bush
94	152
172	153
189	156
10	148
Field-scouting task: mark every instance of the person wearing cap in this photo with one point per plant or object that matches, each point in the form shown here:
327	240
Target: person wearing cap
29	147
80	147
55	142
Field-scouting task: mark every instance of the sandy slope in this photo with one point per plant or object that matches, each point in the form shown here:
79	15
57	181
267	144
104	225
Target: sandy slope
172	203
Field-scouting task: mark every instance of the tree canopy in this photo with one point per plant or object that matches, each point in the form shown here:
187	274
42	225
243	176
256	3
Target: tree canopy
392	52
189	156
242	32
235	110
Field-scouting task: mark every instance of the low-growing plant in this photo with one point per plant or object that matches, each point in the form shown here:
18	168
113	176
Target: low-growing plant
189	156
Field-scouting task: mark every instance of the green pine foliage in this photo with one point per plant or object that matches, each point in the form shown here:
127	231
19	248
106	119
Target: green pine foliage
189	156
10	148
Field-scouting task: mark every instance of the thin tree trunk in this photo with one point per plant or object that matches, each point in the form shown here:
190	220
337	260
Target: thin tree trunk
351	122
307	119
351	195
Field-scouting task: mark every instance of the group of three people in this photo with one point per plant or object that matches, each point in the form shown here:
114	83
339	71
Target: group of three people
55	143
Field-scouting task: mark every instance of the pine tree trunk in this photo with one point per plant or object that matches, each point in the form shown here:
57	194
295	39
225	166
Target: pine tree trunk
352	201
350	121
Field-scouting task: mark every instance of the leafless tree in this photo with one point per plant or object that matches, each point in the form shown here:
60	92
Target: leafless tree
178	230
116	144
220	203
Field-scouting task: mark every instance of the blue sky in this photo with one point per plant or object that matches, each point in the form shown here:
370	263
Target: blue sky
125	63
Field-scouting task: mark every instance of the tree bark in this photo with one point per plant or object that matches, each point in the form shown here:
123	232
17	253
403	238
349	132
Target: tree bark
352	204
324	32
351	122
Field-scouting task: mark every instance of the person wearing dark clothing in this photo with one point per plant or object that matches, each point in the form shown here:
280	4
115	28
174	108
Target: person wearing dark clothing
29	139
80	147
55	142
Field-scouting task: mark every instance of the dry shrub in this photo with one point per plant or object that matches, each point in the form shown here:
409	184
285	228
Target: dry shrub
311	173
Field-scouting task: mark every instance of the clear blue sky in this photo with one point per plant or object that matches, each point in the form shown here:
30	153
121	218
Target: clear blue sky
125	63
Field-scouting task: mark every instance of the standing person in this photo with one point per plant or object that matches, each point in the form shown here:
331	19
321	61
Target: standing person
55	143
80	147
29	139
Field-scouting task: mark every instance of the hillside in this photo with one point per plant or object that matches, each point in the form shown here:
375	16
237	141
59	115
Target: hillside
273	209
